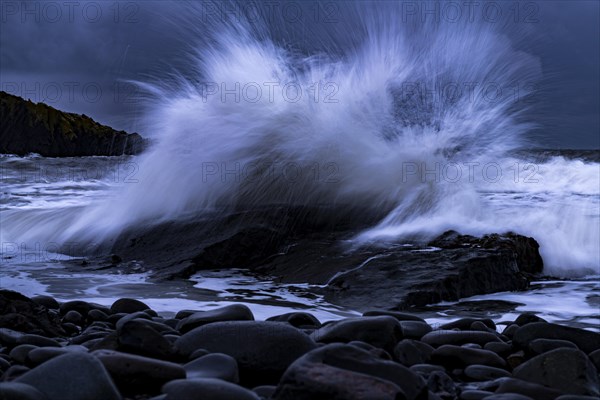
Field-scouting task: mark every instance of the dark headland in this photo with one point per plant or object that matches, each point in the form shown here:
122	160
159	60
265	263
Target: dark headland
27	127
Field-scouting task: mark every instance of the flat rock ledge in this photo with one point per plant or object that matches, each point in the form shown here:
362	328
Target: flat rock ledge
83	351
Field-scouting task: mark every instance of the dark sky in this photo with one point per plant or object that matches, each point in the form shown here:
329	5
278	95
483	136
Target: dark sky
77	56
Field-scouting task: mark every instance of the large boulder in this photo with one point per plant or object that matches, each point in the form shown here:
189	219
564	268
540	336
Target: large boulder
20	313
587	341
339	371
383	332
73	376
565	369
263	350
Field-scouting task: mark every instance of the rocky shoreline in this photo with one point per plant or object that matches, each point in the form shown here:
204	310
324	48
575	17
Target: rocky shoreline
80	350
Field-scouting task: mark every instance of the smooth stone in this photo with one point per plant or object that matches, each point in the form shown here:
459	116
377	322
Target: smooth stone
133	372
409	352
84	337
37	340
594	357
137	337
576	397
533	390
97	315
21	352
130	317
441	384
480	326
383	332
14	372
457	357
265	391
19	391
43	354
73	317
500	348
587	341
442	337
341	371
515	359
400	316
485	373
70	329
214	365
297	319
234	312
8	337
82	307
414	329
207	389
509	396
471	346
510	330
564	369
474	394
425	369
528	318
263	350
198	353
539	346
47	301
128	306
4	364
75	376
464	324
163	329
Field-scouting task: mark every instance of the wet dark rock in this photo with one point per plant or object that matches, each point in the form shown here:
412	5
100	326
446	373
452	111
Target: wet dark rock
485	373
8	337
234	312
539	346
37	340
441	384
97	315
47	301
400	316
82	307
465	324
214	365
527	318
297	319
20	313
565	369
441	337
39	128
587	341
43	354
510	330
348	372
411	352
458	357
139	338
21	352
19	391
56	380
130	317
128	306
414	329
383	332
263	350
425	369
14	372
73	317
533	390
265	391
474	394
500	348
594	357
133	373
515	359
211	389
509	396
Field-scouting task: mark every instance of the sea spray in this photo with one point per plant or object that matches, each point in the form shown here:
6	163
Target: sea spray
373	111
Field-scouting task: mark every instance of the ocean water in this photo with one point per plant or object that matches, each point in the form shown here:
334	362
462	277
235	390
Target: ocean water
35	186
420	121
